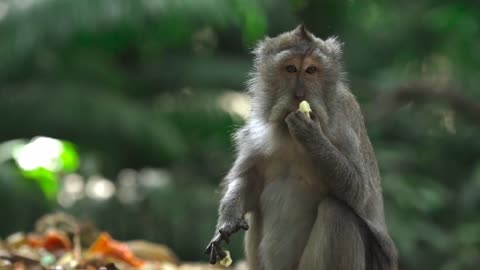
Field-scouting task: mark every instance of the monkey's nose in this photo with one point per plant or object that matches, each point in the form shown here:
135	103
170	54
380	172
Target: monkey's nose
300	93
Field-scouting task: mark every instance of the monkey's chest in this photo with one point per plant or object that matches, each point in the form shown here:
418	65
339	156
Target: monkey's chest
292	190
293	169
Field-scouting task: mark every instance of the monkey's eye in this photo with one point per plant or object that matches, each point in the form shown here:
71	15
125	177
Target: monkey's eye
291	68
311	70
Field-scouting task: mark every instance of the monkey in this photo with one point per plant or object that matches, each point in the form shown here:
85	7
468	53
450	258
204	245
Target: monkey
307	190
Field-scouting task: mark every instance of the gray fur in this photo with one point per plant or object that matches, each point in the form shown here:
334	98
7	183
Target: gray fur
311	187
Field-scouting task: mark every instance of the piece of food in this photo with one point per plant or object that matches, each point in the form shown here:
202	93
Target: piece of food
304	107
227	261
106	246
52	240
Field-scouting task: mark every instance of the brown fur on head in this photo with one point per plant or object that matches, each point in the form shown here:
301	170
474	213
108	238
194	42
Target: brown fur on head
292	67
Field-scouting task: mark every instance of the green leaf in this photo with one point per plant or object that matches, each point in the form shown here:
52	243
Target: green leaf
69	157
47	180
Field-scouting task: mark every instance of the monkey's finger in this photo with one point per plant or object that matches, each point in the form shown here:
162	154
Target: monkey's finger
221	254
300	115
290	117
213	256
218	250
290	120
216	253
295	118
215	241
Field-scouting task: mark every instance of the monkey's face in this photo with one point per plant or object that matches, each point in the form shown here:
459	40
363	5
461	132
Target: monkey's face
293	67
297	77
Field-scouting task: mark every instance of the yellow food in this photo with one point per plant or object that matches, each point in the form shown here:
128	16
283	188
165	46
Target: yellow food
304	107
227	261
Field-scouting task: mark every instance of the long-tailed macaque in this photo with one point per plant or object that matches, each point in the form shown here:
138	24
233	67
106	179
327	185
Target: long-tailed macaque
306	189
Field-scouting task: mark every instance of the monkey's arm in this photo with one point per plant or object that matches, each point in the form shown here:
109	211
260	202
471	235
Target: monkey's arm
241	195
342	166
350	165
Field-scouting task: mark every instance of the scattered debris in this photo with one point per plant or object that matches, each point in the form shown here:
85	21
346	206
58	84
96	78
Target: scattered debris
60	242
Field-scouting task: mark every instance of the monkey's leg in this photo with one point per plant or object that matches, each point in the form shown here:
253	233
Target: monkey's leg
252	240
336	240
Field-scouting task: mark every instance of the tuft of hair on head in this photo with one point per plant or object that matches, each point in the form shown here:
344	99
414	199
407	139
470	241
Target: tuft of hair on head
302	32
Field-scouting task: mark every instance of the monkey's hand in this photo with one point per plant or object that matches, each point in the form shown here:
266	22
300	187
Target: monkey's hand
214	249
303	129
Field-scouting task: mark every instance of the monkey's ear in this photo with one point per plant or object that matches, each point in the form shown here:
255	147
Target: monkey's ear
334	47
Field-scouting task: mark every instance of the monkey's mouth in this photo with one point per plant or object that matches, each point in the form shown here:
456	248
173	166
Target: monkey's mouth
279	113
294	108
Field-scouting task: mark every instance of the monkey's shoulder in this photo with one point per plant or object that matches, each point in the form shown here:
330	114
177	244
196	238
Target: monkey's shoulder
254	138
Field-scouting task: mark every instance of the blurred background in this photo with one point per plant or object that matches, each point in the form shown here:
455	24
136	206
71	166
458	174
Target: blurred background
121	112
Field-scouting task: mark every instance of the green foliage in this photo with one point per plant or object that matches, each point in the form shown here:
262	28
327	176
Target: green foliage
69	157
47	180
138	84
36	163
